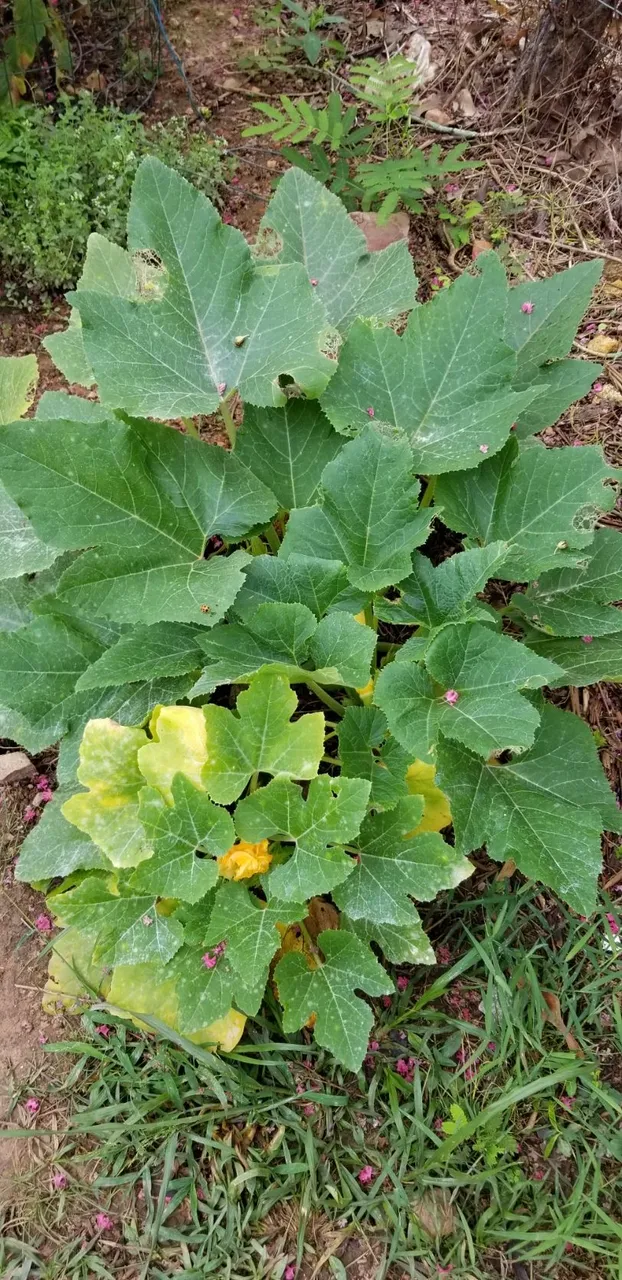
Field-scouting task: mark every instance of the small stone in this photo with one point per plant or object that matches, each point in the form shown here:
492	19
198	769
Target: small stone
233	21
15	766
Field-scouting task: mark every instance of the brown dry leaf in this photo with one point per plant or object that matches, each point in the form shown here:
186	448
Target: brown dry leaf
322	915
465	103
480	246
554	1015
397	227
95	81
375	27
613	289
437	116
601	345
434	1212
507	870
609	393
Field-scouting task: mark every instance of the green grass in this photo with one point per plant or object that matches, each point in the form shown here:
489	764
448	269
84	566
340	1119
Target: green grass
256	1184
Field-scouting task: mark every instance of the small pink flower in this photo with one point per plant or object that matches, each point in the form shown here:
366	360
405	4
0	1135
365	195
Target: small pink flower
443	955
591	327
227	219
371	412
313	282
42	1039
587	639
103	1030
43	924
444	1271
491	1046
511	187
527	308
147	919
29	813
613	924
373	1046
221	388
167	1199
386	1000
483	448
366	1174
59	1181
435	282
235	181
33	1105
401	1067
43	783
567	1101
402	983
438	1124
452	696
598	386
462	1055
103	1222
470	1073
452	189
46	796
309	1109
538	1175
576	444
548	160
209	961
289	1272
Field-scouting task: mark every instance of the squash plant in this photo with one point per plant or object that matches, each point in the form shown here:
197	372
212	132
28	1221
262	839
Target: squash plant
271	699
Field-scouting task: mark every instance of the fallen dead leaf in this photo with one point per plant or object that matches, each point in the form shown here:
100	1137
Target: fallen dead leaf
480	246
397	227
554	1016
434	1212
601	345
609	393
375	28
613	289
322	915
465	103
437	116
419	51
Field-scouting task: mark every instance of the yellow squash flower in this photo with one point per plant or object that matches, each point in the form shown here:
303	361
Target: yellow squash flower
244	860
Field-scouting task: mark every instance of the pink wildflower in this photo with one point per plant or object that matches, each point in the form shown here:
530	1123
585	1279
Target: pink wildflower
313	282
527	308
444	1271
483	448
300	1087
42	782
103	1030
443	955
366	1174
613	924
587	639
401	1067
452	696
46	796
402	983
42	1039
371	412
492	1048
576	444
309	1109
289	1272
43	924
591	327
567	1101
103	1222
227	219
452	188
438	1124
462	1055
221	388
33	1105
538	1175
373	1046
209	961
235	181
511	187
435	282
548	160
386	1000
598	386
59	1181
29	813
470	1073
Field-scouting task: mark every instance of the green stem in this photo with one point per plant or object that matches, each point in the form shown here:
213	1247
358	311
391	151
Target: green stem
191	429
257	547
428	493
272	538
230	426
370	618
324	696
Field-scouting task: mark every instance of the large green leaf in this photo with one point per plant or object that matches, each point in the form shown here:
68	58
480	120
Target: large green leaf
573	602
319	826
365	751
18	380
394	865
298	580
287	449
260	738
129	704
546	809
167	649
194	823
55	847
543	334
125	924
21	551
445	383
338	650
583	661
59	404
249	928
344	1021
481	672
39	666
108	811
401	944
208	318
542	502
315	229
368	517
148	498
108	269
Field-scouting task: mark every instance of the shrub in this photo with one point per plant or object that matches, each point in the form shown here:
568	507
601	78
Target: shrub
275	700
63	176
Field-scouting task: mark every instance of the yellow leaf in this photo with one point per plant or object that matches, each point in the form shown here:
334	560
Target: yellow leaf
108	811
18	380
135	989
420	780
72	976
244	859
601	345
179	746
